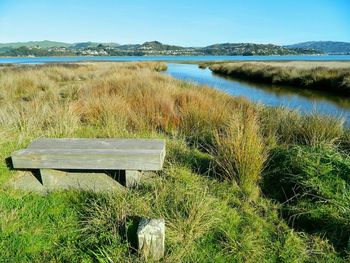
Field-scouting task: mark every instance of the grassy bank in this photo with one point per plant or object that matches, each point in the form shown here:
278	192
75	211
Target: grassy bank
228	164
333	77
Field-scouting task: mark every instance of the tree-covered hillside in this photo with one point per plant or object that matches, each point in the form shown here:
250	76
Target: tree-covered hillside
152	48
329	47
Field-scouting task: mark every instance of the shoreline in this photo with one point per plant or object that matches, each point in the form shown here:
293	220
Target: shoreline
329	76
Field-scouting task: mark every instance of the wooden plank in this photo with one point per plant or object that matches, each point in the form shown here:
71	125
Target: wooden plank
99	159
86	143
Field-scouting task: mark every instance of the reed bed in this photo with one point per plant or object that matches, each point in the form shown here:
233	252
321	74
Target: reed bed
333	77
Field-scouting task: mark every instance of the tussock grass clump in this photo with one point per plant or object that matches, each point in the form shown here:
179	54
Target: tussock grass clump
332	79
316	129
240	153
281	125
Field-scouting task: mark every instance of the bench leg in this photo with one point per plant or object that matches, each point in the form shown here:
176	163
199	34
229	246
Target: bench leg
82	180
132	178
127	178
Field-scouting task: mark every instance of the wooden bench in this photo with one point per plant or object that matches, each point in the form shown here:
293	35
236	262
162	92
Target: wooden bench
94	164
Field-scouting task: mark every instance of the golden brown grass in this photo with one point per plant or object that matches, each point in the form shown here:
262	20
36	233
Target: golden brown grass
115	97
305	64
133	99
240	153
327	76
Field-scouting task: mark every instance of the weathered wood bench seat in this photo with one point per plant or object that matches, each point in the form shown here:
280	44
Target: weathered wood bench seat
90	163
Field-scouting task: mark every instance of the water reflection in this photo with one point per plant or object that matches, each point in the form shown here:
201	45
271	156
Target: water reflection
274	95
280	90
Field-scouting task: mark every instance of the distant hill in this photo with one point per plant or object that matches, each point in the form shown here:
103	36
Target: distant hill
329	47
251	49
151	48
156	45
41	44
53	44
82	45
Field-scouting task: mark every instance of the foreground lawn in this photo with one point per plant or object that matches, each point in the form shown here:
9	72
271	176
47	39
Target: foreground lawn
241	182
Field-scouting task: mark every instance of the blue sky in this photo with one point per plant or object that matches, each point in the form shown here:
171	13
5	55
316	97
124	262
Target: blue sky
180	22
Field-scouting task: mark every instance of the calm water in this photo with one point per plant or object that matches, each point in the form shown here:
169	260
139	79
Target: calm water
40	60
305	101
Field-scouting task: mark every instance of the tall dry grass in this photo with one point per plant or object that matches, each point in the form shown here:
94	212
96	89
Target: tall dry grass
123	96
241	153
133	99
282	126
331	78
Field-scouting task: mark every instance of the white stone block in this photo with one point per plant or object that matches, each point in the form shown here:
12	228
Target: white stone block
151	238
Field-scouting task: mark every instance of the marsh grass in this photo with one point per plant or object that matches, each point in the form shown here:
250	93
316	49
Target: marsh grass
283	126
240	153
308	75
216	149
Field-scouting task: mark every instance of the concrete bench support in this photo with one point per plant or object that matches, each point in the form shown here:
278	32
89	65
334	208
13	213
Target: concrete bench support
96	181
26	181
151	238
127	178
80	180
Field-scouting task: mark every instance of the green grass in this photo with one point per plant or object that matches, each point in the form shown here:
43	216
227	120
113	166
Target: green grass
213	191
313	183
37	229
